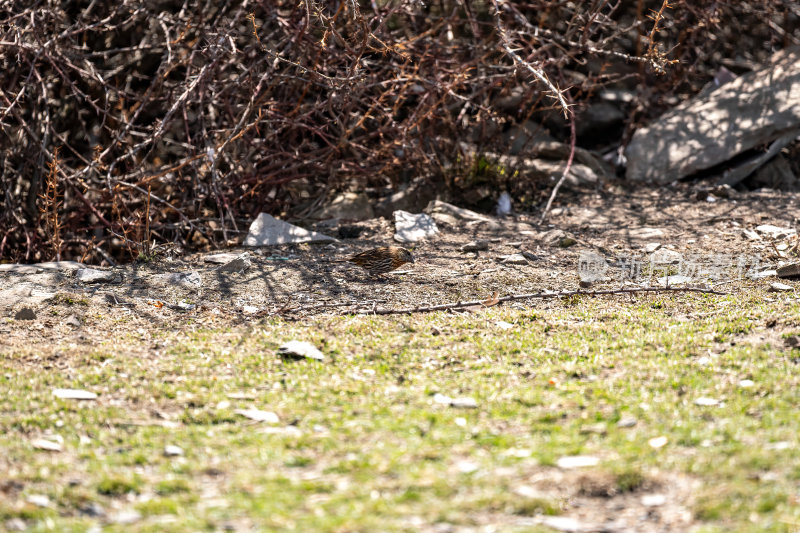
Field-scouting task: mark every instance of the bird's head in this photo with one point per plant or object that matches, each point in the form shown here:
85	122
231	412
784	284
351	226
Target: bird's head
406	256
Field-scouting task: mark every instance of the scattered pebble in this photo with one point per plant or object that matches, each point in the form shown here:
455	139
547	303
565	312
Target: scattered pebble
780	445
467	467
657	442
577	461
93	275
267	230
746	383
653	500
763	274
513	259
651	247
706	402
595	429
170	450
504	325
73	321
460	422
774	231
249	309
74	394
39	500
627	422
48	445
301	350
476	246
461	403
780	287
565	523
413	228
258	415
129	516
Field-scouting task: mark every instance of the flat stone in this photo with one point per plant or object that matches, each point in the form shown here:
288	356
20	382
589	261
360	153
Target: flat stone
780	287
577	461
258	415
513	259
653	500
221	259
47	445
715	126
413	228
20	269
789	271
651	247
239	264
93	275
763	274
267	230
301	350
645	234
774	232
74	394
170	450
476	246
60	265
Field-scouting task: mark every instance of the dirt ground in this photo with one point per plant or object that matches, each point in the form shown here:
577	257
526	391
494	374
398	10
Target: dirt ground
300	281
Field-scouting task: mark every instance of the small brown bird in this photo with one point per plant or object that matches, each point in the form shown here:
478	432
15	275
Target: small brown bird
381	260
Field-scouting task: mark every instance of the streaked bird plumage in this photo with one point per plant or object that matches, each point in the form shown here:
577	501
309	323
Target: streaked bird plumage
381	260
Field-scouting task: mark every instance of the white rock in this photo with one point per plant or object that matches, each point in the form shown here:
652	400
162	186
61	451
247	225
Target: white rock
763	274
669	281
706	402
126	517
626	422
44	444
413	228
267	230
780	287
657	442
651	247
653	500
774	232
577	461
746	383
565	523
513	259
462	403
39	500
504	325
301	350
92	275
74	394
170	450
258	415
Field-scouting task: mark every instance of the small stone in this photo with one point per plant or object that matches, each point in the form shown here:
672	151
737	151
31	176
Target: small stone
126	517
706	402
476	246
39	500
301	350
504	325
513	259
460	421
565	523
267	230
577	461
653	500
74	394
467	467
763	274
93	509
16	524
413	228
250	309
258	415
238	265
464	403
780	287
774	232
25	313
746	383
73	321
789	271
596	429
780	445
93	275
657	442
48	445
651	247
170	450
221	259
669	281
627	422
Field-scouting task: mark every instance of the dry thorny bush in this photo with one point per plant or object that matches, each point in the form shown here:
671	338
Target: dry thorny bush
178	121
